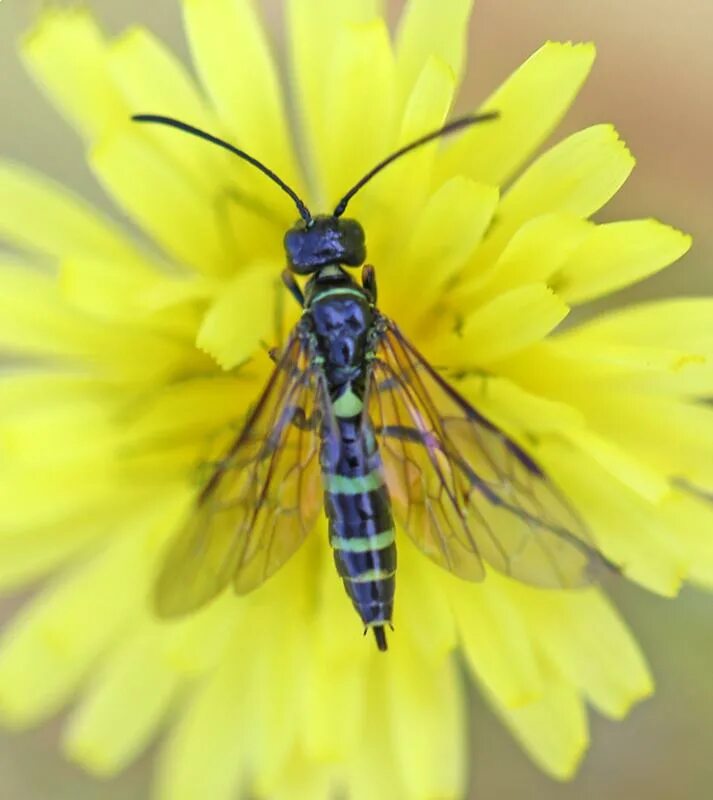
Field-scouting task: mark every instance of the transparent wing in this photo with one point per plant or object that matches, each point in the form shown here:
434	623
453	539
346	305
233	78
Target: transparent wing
463	490
261	500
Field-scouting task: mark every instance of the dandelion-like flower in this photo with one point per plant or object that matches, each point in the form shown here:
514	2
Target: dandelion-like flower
135	353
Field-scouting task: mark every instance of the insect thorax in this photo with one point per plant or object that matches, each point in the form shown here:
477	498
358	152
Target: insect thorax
341	318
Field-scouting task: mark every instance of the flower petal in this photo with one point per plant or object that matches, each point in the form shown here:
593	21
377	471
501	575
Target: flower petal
109	289
28	556
495	639
425	30
691	517
622	464
423	613
402	190
581	633
240	318
553	730
311	21
427	724
627	528
364	63
153	81
616	255
678	323
531	103
370	772
233	58
47	651
125	706
577	176
637	429
537	250
81	86
160	199
69	227
503	326
208	748
31	319
446	233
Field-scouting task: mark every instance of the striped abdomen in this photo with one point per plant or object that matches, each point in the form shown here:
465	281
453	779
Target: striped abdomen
361	528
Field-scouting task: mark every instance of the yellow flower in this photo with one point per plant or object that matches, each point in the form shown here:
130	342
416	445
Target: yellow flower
132	352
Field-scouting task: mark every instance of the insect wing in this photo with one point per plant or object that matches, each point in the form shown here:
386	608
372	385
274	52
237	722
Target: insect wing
463	490
261	500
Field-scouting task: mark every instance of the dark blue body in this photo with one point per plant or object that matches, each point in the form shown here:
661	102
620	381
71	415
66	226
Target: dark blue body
340	316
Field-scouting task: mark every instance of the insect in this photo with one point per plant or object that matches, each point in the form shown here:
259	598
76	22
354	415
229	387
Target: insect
354	420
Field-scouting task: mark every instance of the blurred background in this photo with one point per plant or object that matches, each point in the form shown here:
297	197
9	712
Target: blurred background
653	80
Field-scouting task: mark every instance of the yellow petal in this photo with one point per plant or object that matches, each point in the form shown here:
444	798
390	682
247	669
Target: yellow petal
427	724
531	103
305	780
31	319
585	638
679	324
690	515
616	255
48	649
537	250
577	176
160	199
69	226
59	434
233	59
112	290
28	555
689	434
649	483
153	81
208	748
124	707
506	324
446	233
81	86
191	408
371	772
403	189
364	63
422	613
496	642
516	409
553	730
34	320
241	317
571	367
246	710
311	21
426	30
626	528
334	704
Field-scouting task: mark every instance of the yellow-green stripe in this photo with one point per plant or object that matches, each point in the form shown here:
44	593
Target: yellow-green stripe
370	575
363	544
341	484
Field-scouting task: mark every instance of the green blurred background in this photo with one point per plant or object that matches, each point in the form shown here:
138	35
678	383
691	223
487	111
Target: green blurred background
653	80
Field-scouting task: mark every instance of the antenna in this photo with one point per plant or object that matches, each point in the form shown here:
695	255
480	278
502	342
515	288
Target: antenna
208	137
451	127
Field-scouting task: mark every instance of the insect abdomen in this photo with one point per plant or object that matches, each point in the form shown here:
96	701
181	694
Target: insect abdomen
361	527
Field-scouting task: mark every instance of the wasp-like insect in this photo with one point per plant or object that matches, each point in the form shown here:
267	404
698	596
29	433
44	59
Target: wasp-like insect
355	420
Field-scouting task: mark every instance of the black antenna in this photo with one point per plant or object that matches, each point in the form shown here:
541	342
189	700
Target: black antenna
451	127
208	137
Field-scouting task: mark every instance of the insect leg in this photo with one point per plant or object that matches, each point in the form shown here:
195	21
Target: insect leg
288	279
304	423
368	281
